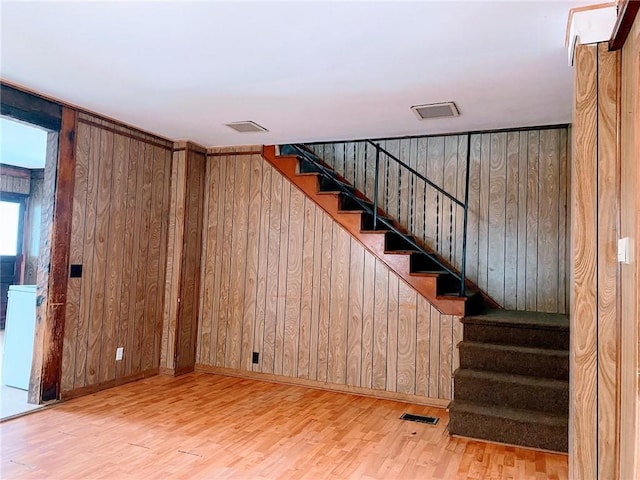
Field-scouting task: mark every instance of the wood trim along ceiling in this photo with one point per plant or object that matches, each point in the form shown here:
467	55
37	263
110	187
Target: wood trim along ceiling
627	13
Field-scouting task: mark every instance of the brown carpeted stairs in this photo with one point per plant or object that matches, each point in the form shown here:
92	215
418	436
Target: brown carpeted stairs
513	382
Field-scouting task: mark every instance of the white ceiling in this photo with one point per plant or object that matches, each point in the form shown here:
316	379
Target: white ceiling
22	145
306	71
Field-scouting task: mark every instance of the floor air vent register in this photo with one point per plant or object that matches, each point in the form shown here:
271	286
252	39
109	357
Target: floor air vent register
419	418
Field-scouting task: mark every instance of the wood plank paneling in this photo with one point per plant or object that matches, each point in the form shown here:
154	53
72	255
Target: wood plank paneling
517	228
326	309
118	177
608	182
583	407
630	273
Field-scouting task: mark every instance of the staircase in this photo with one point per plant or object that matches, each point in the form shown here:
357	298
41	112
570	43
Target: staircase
512	385
421	268
513	382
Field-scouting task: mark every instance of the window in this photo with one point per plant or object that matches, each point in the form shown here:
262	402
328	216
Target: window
10	221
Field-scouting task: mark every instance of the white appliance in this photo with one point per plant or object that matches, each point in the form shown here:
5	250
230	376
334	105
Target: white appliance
18	336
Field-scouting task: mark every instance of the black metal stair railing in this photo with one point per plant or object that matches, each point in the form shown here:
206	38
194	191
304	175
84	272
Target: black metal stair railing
381	197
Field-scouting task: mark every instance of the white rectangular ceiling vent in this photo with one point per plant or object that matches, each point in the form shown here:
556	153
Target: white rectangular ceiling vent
246	127
436	110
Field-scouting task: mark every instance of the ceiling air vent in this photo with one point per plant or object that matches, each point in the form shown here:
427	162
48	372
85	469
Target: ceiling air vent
436	110
246	127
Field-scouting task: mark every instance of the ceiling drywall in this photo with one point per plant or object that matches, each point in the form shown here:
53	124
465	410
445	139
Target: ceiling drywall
304	70
22	145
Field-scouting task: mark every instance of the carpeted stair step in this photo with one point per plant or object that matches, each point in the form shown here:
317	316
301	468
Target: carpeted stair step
527	329
528	428
513	391
537	362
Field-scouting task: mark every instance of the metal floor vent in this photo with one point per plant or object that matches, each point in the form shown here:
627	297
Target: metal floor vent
419	418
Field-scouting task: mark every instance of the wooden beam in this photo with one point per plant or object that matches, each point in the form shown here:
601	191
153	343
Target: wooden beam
627	12
30	108
53	271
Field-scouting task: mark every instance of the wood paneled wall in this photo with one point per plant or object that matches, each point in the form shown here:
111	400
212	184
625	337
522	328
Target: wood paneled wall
14	180
119	236
517	227
281	278
182	286
630	273
33	226
594	440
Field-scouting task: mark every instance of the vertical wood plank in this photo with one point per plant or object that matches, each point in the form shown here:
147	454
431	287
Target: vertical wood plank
407	333
434	352
282	277
294	284
326	290
204	323
307	288
446	356
547	287
532	220
251	260
263	255
219	259
275	213
392	333
497	193
314	346
226	257
423	326
523	185
151	287
583	428
380	315
76	250
368	305
354	327
473	223
99	258
563	223
511	223
115	254
339	306
136	151
238	264
608	182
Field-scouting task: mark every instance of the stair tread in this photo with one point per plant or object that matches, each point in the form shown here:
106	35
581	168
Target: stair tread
523	319
515	348
374	231
514	414
400	252
429	273
527	380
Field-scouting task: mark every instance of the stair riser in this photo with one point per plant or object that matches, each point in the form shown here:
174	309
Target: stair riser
523	337
513	395
503	430
519	363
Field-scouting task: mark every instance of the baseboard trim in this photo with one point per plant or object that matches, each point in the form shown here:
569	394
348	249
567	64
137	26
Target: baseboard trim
89	389
334	387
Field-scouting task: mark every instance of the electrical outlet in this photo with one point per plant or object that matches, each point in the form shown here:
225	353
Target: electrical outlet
255	358
119	353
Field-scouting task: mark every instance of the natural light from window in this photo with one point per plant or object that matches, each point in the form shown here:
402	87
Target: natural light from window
9	213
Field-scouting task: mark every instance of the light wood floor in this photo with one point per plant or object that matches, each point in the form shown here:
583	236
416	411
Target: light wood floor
209	426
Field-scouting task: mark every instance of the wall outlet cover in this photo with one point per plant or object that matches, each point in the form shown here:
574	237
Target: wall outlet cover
119	353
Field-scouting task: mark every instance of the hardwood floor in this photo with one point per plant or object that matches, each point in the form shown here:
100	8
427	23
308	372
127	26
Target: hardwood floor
209	426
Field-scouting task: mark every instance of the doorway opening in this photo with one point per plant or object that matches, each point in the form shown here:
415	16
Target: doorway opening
23	155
